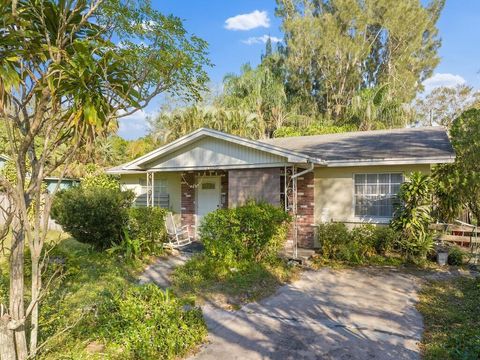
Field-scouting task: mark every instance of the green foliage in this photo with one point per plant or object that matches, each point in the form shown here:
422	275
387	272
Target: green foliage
466	142
444	104
98	299
456	256
149	323
449	197
97	178
95	216
332	237
147	225
246	281
385	240
356	246
240	261
336	50
413	216
312	129
168	126
451	317
249	232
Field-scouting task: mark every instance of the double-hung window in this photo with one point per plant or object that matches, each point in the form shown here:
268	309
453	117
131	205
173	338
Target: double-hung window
375	194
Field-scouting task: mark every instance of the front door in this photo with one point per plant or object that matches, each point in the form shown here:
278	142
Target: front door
208	196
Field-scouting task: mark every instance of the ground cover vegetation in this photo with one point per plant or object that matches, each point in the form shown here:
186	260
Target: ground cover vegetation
240	262
95	309
451	317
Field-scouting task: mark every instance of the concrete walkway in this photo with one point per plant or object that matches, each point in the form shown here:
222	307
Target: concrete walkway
327	314
160	271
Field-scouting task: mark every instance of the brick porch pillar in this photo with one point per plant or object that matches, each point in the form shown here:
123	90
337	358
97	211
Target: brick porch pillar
306	210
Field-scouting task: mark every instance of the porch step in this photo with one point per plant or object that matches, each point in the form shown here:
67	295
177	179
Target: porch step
303	255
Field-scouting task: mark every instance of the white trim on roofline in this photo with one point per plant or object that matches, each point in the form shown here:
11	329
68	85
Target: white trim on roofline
201	168
394	161
291	156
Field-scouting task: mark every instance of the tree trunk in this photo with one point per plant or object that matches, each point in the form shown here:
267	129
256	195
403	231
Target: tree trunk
36	285
7	344
17	306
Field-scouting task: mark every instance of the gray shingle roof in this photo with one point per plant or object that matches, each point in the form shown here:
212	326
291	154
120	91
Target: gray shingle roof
397	144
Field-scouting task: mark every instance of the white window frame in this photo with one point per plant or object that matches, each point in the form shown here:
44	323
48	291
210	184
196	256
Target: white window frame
373	218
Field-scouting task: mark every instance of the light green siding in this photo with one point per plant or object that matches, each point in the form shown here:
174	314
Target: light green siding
334	189
134	182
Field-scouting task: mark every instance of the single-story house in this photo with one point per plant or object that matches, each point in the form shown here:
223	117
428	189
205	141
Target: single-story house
346	177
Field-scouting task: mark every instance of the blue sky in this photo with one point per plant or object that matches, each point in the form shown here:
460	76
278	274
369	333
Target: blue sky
234	40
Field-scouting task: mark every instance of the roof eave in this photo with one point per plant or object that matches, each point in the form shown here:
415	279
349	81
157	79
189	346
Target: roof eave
392	161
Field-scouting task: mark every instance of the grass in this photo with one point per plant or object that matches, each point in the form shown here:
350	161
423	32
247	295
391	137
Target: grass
231	286
451	311
71	318
376	260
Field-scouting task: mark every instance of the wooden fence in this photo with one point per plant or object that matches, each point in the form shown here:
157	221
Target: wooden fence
464	235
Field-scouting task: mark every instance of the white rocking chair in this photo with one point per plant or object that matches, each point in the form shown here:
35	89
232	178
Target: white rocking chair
177	237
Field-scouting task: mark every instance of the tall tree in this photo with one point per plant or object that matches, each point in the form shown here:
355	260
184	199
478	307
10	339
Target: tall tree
336	48
444	104
465	134
258	90
63	81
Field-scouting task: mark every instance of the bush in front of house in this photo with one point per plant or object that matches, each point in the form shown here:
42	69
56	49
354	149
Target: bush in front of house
252	232
414	215
456	256
96	216
147	225
354	246
149	323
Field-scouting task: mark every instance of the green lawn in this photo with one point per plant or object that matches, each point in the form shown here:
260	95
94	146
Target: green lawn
451	311
231	287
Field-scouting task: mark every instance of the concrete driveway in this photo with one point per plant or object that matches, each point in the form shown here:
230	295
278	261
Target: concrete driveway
327	314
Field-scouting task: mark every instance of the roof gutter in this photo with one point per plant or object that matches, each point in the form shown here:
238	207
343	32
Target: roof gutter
310	169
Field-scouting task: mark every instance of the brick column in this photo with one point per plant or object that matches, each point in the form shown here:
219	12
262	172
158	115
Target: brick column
306	210
188	201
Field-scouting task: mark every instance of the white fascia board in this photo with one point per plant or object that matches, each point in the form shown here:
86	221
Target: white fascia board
404	161
291	156
219	167
123	172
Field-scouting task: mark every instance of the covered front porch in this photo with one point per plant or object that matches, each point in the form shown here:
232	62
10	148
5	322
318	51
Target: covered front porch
192	194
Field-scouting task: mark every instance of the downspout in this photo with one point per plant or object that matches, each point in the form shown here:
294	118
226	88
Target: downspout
295	226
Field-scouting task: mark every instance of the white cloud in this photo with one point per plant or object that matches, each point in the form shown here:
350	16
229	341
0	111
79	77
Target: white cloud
261	39
135	125
249	21
442	80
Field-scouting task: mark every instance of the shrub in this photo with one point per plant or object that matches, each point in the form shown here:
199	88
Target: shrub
355	246
456	256
385	239
147	224
93	216
332	237
413	216
250	232
149	323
